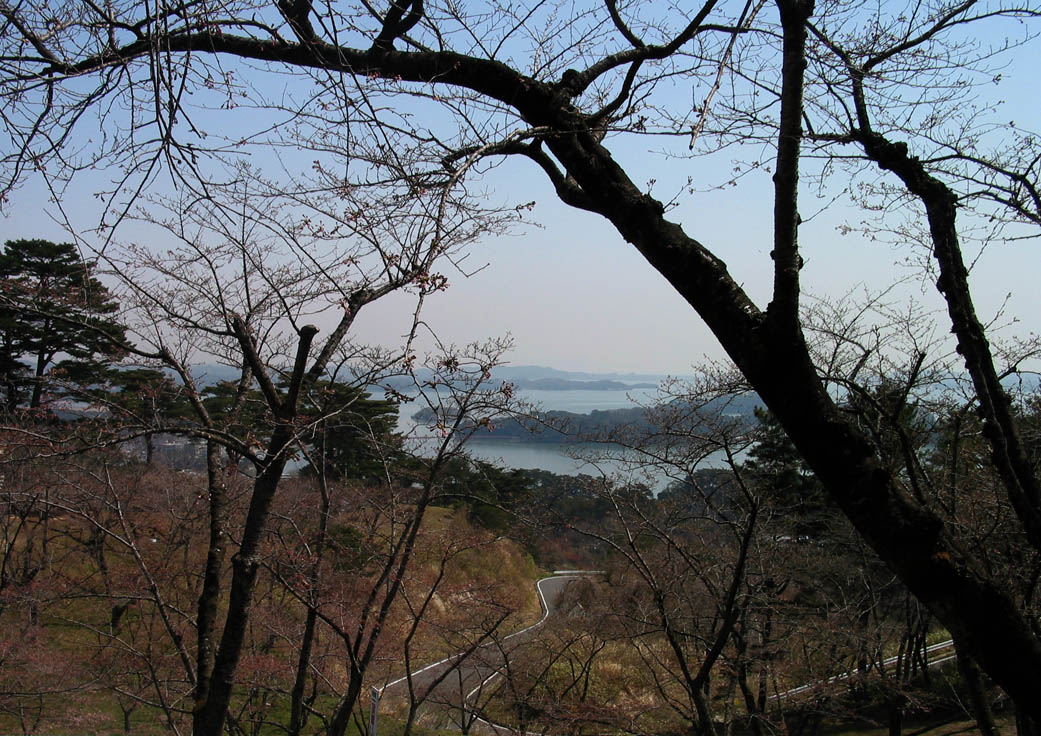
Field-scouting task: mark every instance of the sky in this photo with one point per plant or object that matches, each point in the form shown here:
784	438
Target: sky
575	296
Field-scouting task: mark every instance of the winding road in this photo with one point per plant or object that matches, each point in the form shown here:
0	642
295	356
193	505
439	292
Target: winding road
451	684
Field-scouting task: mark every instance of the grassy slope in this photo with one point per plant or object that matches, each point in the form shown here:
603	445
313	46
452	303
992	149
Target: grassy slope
65	669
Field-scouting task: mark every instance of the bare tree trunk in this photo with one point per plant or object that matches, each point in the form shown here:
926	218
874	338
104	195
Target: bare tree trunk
973	680
210	714
37	395
341	719
209	597
297	712
754	714
896	715
209	718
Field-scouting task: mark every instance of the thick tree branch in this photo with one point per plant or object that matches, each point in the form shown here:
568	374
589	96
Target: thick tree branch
995	406
396	23
612	8
297	13
297	377
256	365
784	308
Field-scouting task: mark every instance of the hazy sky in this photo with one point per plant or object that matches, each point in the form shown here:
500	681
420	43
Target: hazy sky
575	296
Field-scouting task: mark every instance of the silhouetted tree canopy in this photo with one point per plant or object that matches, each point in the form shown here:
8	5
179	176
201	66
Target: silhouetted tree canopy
52	306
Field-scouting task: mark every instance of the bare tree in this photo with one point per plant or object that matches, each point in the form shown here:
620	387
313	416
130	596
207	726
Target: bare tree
509	82
683	559
335	564
245	303
253	270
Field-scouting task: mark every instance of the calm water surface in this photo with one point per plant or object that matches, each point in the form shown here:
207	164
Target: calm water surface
556	458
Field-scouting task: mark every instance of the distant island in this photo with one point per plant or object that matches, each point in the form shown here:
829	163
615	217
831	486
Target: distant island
520	373
543	378
525	377
565	384
558	427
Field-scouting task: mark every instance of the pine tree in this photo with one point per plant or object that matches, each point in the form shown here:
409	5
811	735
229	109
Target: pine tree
355	438
782	475
52	305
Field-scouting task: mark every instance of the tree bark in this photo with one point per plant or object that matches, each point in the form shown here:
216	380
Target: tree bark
245	563
973	681
784	307
209	596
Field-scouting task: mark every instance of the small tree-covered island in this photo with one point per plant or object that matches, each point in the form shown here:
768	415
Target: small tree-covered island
239	495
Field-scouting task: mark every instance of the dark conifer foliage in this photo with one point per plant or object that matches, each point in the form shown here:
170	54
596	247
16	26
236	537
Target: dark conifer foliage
54	312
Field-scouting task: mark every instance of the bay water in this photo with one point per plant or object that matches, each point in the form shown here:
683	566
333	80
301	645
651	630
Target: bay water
560	458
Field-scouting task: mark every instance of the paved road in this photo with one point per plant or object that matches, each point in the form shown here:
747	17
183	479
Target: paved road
945	650
451	683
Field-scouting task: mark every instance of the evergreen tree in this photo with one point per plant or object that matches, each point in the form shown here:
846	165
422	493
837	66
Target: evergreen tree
350	434
782	476
354	436
52	304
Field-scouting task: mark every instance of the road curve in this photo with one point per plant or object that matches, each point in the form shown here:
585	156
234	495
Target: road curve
467	677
